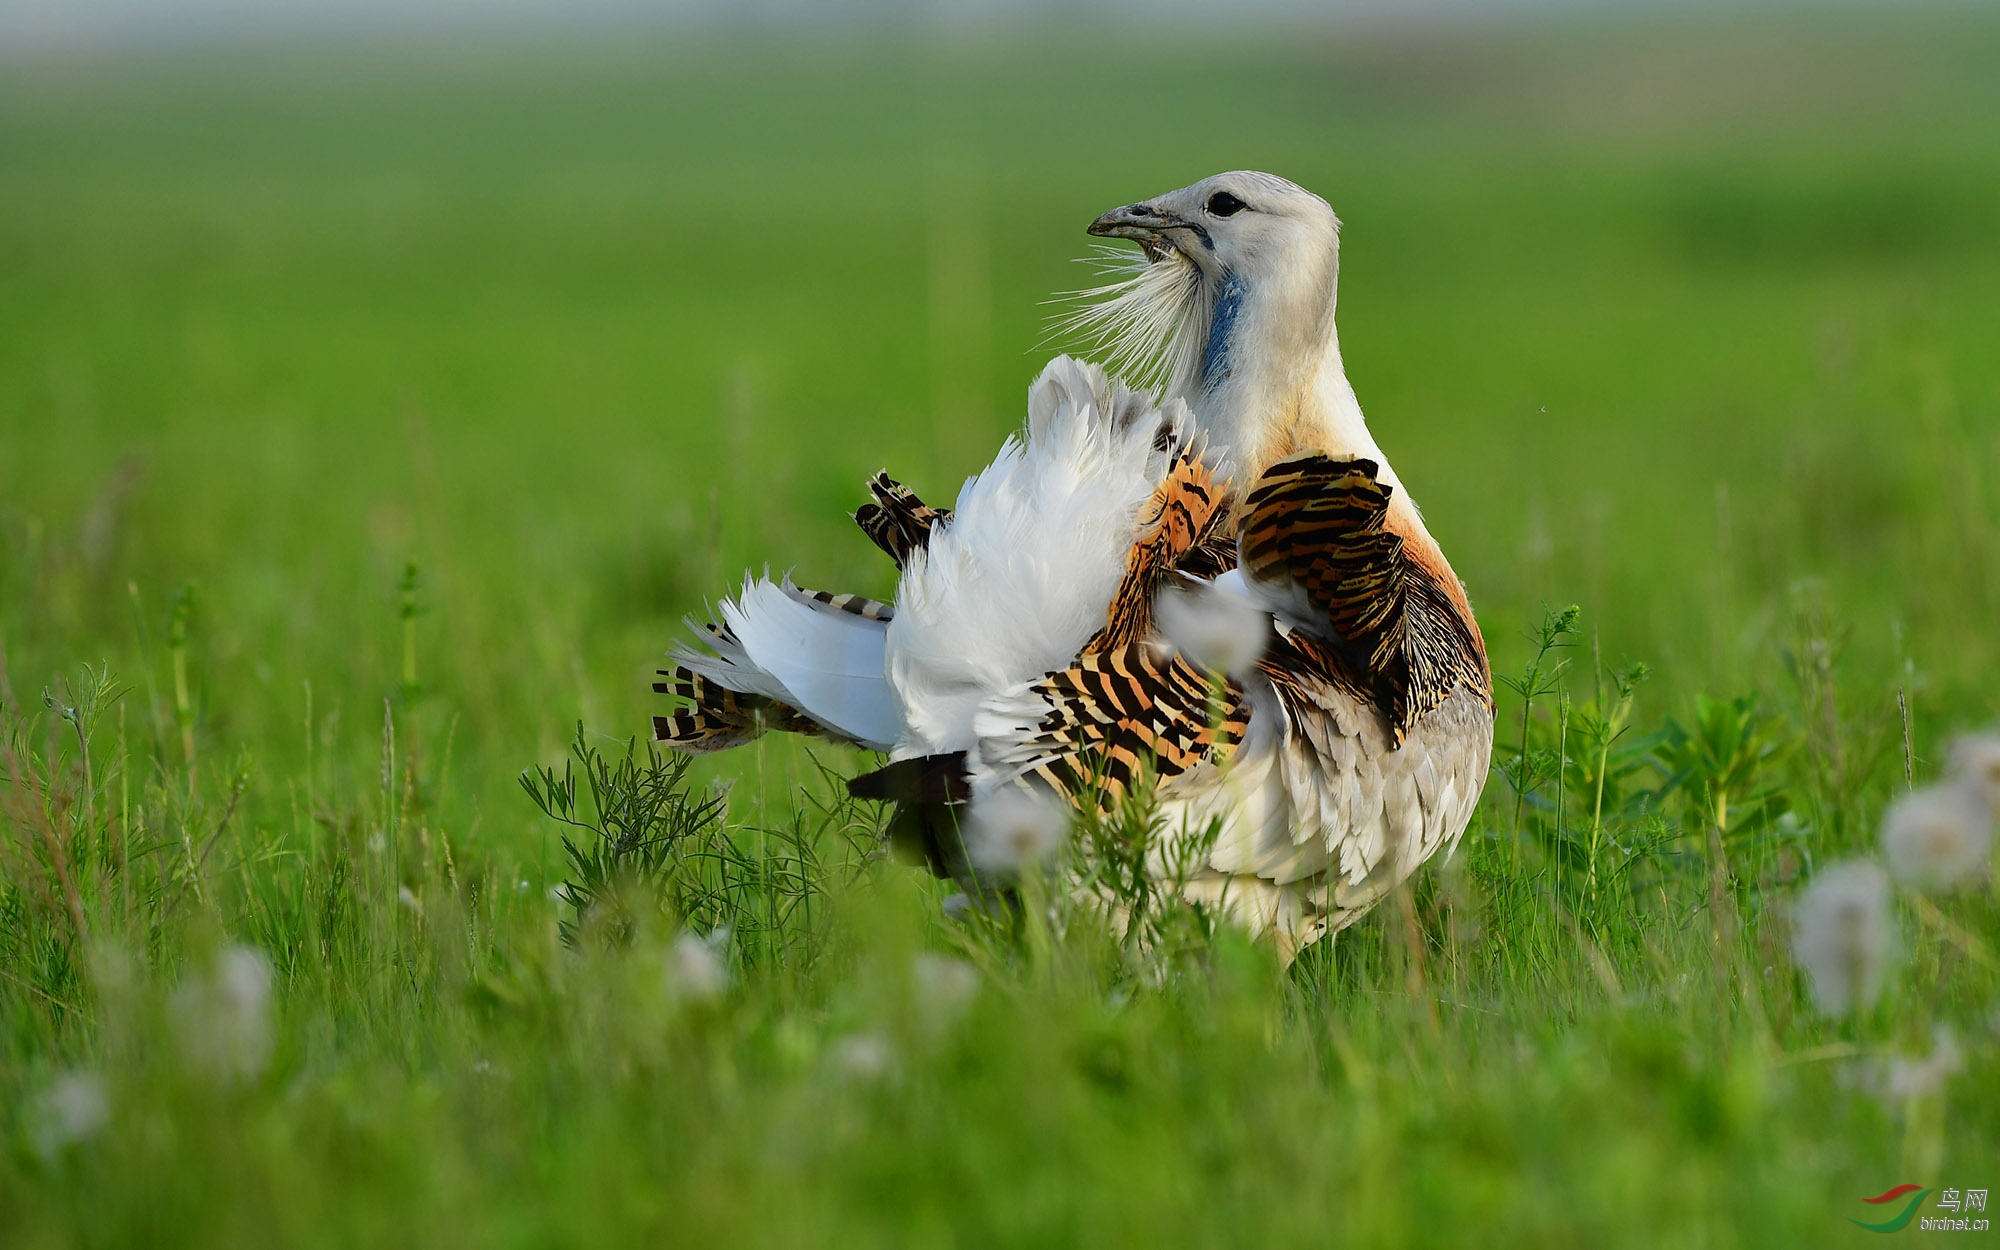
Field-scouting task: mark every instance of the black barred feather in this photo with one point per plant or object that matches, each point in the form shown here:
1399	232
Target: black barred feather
718	718
1319	523
855	605
898	522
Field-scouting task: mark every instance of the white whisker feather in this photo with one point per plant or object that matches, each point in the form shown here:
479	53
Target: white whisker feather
1148	323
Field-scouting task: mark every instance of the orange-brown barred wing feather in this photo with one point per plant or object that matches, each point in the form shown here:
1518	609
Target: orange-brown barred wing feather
1321	524
1184	524
1112	714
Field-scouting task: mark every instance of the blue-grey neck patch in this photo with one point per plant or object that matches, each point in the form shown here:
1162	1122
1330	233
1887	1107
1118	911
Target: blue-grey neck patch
1221	327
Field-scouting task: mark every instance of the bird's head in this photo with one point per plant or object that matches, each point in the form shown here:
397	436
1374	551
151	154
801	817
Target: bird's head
1237	264
1250	225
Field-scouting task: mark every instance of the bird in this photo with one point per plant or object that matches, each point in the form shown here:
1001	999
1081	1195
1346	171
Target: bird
1198	576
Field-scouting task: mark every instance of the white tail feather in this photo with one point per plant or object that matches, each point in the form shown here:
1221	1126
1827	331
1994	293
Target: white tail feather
831	663
826	664
730	667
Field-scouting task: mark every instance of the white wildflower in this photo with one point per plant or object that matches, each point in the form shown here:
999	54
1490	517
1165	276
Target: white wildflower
696	967
1015	825
1920	1078
74	1108
1938	837
224	1015
1975	762
944	989
1215	625
1840	935
864	1056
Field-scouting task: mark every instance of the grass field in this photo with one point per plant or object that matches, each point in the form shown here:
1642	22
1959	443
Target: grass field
369	418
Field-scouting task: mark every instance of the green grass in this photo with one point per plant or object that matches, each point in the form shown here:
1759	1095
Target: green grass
1690	323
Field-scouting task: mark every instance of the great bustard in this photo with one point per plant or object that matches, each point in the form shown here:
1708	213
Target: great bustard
1047	634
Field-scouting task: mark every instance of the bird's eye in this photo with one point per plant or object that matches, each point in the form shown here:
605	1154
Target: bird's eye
1223	204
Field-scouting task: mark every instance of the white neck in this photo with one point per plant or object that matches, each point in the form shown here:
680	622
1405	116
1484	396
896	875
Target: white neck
1290	394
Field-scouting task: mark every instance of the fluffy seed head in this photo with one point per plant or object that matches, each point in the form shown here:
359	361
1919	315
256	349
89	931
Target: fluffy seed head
1920	1078
1014	826
696	968
74	1108
1840	936
1215	626
1975	762
943	988
864	1057
1938	838
223	1015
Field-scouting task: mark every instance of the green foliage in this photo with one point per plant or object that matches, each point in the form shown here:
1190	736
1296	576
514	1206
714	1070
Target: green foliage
1130	870
648	855
1727	763
640	821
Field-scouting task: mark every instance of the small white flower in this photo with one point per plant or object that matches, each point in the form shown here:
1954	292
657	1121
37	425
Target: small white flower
864	1056
1975	762
1938	837
697	970
1920	1078
1215	625
224	1015
945	988
74	1108
1015	825
1840	935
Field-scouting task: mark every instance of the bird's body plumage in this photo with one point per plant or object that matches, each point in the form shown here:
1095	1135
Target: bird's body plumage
1023	650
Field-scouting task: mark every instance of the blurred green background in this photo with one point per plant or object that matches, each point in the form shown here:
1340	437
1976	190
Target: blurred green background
1679	318
1692	319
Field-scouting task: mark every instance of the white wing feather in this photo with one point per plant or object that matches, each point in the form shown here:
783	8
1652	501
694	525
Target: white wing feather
1021	578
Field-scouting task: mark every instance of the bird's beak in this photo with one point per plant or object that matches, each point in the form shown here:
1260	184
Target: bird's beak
1143	222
